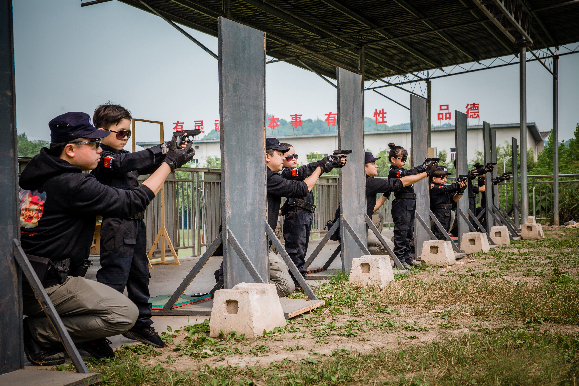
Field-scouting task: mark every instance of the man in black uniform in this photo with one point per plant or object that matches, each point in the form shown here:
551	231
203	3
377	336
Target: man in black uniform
441	198
123	246
298	211
58	209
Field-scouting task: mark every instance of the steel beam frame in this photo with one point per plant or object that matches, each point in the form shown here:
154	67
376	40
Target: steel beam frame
487	136
10	274
515	167
352	182
242	113
524	133
555	140
419	152
461	144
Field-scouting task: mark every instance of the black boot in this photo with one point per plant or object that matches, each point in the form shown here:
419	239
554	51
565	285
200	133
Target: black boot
40	355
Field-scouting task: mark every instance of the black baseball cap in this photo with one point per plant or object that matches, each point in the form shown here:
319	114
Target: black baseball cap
274	144
70	126
440	172
369	157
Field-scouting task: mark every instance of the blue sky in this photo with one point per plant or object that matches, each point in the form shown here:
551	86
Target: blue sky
70	58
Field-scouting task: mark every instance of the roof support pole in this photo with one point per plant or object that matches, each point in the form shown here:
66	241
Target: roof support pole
555	140
10	275
524	133
352	182
242	113
514	161
418	152
429	112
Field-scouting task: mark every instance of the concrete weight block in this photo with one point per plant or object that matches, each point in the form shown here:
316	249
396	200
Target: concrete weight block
474	242
371	270
438	252
500	235
247	308
532	231
531	220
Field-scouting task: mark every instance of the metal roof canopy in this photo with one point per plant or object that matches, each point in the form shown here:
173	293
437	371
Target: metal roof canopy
387	39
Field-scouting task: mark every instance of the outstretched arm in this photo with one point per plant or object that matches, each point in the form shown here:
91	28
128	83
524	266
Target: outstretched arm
313	178
413	178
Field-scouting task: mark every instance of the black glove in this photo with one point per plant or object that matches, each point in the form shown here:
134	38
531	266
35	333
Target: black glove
176	158
325	164
421	168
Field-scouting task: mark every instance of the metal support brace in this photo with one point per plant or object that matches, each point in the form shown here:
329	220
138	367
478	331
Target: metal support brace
379	236
289	262
355	237
470	226
426	227
48	307
192	274
481	227
500	218
443	231
322	244
243	257
333	257
508	219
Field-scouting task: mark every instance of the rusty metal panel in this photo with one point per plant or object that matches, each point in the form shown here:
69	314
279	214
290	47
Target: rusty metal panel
243	183
488	178
352	182
461	145
419	152
10	275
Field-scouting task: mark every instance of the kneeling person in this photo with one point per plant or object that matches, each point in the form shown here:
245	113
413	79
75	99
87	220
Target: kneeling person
58	208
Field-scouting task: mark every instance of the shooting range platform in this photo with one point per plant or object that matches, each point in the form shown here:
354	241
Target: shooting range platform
33	375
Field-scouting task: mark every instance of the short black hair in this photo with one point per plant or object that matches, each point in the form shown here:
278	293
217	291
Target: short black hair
109	114
285	144
56	149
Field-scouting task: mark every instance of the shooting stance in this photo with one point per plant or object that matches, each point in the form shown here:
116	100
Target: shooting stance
58	208
442	196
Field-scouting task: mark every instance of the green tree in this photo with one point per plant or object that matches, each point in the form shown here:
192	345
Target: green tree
213	163
27	148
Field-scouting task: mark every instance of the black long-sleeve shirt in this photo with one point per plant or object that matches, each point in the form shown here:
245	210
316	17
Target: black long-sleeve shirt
442	194
300	174
59	205
396	172
379	185
278	187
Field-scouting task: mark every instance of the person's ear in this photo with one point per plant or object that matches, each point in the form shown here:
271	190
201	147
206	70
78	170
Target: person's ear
69	150
267	157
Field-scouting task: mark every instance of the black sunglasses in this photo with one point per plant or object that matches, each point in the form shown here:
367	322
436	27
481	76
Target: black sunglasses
94	144
291	156
122	133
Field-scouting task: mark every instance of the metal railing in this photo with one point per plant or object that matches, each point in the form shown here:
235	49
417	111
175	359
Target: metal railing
193	205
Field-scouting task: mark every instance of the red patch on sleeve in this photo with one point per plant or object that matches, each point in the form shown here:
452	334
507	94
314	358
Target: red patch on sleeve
108	162
440	187
398	173
294	172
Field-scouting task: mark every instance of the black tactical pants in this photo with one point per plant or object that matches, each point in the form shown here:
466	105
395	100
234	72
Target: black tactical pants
124	263
443	215
296	234
403	213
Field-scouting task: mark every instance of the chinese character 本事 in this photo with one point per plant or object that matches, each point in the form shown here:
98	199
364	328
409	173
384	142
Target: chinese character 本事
273	122
472	110
296	120
331	118
380	116
199	126
178	126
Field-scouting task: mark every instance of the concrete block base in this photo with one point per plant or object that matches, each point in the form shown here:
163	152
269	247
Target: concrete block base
474	242
371	270
438	252
532	231
247	308
500	235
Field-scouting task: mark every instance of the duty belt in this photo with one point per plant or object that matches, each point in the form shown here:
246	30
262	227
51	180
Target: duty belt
443	206
138	216
298	202
411	196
